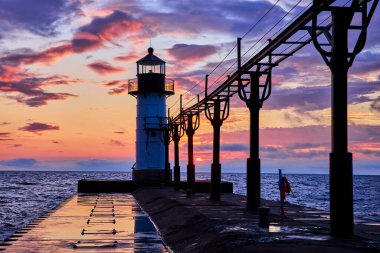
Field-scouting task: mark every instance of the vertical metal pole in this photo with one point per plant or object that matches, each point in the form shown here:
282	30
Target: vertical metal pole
190	154
253	162
215	166
167	163
341	183
177	176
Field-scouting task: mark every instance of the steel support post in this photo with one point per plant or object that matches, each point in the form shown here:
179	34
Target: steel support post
253	162
341	183
190	154
215	166
177	176
167	163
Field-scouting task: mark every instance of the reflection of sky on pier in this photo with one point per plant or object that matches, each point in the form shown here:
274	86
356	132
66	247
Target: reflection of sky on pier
65	67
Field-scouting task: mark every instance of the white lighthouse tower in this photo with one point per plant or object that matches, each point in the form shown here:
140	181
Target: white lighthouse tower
151	89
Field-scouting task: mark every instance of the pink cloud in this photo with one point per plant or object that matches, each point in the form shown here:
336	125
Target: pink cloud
104	68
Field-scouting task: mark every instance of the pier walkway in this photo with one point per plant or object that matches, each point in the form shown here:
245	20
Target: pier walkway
199	224
90	223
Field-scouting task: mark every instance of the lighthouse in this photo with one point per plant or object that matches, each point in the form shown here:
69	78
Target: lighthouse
151	88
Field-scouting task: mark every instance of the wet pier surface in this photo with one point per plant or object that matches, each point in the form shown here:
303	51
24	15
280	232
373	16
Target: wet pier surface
90	223
198	224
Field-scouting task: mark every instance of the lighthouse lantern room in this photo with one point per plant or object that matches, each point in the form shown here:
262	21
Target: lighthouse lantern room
150	89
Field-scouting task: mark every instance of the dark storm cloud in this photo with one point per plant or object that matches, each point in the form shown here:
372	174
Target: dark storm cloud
41	17
37	127
21	162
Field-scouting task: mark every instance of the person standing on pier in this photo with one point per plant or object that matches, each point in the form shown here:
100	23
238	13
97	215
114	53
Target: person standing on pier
284	187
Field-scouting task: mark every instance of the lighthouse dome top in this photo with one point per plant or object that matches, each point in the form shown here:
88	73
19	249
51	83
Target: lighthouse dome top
150	59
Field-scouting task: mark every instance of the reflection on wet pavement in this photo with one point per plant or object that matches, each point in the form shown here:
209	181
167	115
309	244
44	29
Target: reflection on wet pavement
91	223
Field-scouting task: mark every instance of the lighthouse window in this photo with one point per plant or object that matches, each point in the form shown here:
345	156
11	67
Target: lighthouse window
151	68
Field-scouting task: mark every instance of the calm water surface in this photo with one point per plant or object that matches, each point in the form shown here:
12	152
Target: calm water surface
27	195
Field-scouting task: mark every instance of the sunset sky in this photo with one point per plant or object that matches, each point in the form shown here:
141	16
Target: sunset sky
64	65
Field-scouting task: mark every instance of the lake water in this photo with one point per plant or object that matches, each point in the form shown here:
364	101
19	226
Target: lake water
27	195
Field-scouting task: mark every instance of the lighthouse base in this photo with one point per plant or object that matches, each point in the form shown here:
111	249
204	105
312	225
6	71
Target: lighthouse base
149	177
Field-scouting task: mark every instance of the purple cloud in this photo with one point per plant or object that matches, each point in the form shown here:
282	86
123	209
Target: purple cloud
21	162
117	143
37	127
38	16
316	98
31	88
234	147
190	53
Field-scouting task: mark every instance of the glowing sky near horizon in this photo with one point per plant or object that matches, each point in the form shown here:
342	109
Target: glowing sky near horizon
64	65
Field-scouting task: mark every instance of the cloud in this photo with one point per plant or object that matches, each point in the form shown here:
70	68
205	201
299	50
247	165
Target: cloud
375	153
119	132
117	143
114	83
40	17
21	162
317	98
101	164
191	53
375	105
4	136
119	90
30	88
234	147
126	58
47	56
37	127
88	37
104	68
4	123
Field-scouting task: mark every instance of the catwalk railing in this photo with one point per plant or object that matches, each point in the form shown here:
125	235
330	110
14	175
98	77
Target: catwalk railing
279	49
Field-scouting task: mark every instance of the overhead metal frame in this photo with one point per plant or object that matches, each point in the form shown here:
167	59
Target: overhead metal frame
229	88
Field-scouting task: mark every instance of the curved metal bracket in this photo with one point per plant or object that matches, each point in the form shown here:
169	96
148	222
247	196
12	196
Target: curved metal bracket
221	107
366	16
266	88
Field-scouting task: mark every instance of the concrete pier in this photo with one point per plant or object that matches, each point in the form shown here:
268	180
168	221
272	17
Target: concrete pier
122	222
90	223
198	224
